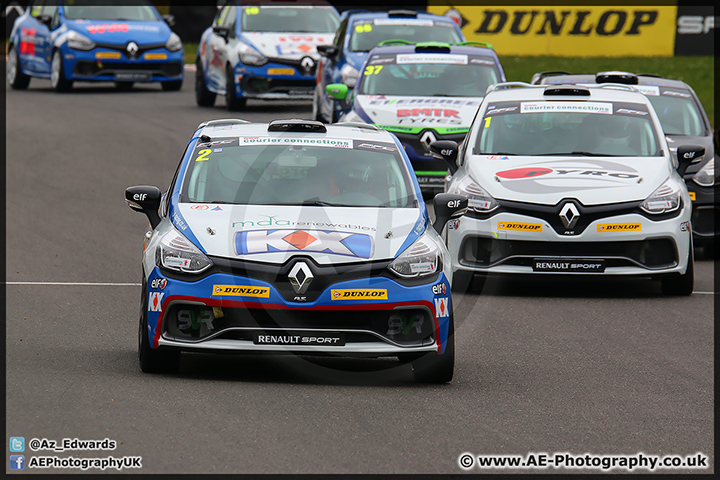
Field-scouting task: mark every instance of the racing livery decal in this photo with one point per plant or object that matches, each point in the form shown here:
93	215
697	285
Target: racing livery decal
155	302
322	241
619	227
241	291
359	294
441	307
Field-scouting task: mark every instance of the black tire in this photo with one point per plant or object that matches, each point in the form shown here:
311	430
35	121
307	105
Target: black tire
679	284
153	360
58	79
232	101
203	96
468	282
171	86
434	367
124	86
15	76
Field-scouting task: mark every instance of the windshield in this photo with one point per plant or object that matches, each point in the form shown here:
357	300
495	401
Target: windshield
567	128
298	171
366	35
289	19
678	113
99	10
428	74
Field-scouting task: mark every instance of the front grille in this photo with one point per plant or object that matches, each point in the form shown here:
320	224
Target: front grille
85	68
489	252
256	85
413	140
412	325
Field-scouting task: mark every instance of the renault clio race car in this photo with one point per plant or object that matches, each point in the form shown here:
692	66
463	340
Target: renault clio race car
573	180
294	237
263	50
422	93
84	40
360	32
684	121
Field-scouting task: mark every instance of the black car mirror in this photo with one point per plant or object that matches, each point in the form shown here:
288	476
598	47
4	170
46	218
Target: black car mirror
223	32
145	199
446	150
447	206
686	155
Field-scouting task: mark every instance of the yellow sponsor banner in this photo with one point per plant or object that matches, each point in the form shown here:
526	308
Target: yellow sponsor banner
523	227
359	294
619	227
106	55
281	71
241	291
571	31
155	56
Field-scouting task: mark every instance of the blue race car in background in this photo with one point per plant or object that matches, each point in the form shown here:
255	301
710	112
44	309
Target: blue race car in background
360	32
87	40
263	50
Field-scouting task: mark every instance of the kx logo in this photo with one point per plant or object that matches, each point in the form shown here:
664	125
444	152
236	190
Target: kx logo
441	307
338	243
155	301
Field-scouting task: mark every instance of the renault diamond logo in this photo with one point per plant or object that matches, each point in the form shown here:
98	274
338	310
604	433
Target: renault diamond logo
307	64
300	277
569	215
132	48
427	138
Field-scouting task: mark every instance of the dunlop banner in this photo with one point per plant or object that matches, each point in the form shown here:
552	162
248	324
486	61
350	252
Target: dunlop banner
571	31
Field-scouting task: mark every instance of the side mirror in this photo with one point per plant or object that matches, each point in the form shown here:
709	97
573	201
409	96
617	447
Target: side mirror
45	20
223	32
337	91
169	19
446	150
686	155
447	206
145	199
326	50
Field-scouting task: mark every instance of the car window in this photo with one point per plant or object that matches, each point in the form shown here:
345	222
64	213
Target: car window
304	19
564	127
340	35
678	113
259	171
428	74
50	8
36	8
230	20
366	34
107	10
222	15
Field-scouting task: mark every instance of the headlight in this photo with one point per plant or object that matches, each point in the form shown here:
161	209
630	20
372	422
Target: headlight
349	75
79	41
478	199
706	175
664	199
420	259
250	56
176	252
174	43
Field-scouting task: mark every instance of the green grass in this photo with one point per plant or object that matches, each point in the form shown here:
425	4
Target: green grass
698	72
189	52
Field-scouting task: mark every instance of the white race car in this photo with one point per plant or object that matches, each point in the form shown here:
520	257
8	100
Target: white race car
575	180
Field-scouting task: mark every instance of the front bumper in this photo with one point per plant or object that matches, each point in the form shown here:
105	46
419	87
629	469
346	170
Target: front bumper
113	64
273	81
235	313
513	243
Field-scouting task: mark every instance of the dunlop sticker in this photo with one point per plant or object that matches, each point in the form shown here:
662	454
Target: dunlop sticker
523	227
241	291
619	227
359	294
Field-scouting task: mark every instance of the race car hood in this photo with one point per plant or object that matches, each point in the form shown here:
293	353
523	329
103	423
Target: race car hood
417	112
547	180
675	141
288	45
273	234
121	31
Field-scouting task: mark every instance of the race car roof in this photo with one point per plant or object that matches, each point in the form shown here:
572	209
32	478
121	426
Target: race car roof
240	128
560	77
359	16
427	47
519	91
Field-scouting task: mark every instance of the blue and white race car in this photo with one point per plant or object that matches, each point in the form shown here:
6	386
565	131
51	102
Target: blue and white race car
296	237
83	40
262	49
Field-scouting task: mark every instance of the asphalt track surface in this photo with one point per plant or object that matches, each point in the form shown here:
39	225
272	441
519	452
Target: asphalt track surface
600	367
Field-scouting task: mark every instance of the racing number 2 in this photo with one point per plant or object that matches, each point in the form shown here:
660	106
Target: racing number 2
203	155
372	69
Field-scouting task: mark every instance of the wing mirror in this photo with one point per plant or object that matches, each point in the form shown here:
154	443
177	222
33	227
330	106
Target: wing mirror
686	155
446	150
447	206
145	199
